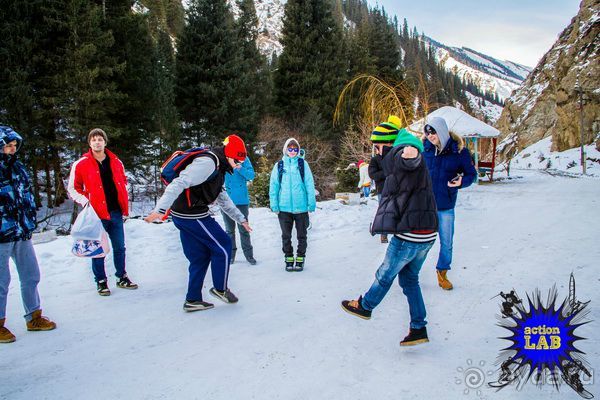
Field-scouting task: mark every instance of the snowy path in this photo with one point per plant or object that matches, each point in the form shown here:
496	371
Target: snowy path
288	338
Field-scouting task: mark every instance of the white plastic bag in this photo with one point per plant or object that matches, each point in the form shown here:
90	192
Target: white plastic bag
90	238
87	226
91	248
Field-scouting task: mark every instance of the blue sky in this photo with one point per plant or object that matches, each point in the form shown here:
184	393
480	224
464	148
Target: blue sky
520	31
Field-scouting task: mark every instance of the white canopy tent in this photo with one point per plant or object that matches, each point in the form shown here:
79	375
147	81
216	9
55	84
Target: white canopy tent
469	128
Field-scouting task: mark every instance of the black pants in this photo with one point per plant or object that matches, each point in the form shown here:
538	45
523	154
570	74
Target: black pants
286	221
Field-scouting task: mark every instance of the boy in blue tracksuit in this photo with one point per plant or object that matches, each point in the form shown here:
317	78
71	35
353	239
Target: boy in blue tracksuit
236	185
292	197
203	240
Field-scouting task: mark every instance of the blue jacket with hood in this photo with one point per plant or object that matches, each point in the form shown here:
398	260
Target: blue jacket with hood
446	164
236	183
17	205
292	195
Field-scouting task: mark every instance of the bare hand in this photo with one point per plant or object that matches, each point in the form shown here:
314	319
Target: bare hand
410	152
154	216
455	183
246	226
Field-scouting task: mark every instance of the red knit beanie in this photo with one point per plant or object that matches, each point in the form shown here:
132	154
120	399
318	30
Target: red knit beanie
235	147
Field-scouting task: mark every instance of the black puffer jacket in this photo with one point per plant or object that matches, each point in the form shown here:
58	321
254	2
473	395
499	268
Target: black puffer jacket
407	202
376	171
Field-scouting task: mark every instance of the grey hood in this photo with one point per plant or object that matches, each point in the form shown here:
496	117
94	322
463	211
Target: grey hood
440	126
287	143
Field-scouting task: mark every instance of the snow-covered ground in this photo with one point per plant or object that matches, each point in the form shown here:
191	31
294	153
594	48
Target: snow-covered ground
539	157
288	338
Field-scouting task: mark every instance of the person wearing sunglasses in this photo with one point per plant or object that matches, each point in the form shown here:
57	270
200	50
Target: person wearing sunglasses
204	242
451	168
292	197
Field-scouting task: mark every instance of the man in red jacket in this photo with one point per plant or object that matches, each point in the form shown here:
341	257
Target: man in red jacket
98	178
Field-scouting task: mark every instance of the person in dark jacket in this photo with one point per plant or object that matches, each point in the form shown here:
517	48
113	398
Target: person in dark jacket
451	168
203	240
17	222
407	210
383	137
236	185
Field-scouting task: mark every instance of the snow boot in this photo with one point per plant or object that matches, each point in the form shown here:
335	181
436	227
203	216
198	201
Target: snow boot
250	258
384	239
225	296
289	264
443	280
299	263
354	307
39	322
6	336
102	287
191	306
415	336
125	283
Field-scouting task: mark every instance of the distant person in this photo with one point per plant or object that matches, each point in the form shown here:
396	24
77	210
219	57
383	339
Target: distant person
364	182
204	242
236	185
98	178
451	168
292	197
17	222
407	210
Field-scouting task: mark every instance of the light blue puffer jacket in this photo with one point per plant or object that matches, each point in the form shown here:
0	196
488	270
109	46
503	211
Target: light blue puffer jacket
292	195
236	183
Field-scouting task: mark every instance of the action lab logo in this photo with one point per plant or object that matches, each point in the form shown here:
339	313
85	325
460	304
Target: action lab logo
543	340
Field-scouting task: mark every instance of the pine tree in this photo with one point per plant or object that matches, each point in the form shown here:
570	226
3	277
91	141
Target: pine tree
311	70
208	64
253	87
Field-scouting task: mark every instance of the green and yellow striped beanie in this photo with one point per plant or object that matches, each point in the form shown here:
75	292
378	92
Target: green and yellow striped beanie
387	132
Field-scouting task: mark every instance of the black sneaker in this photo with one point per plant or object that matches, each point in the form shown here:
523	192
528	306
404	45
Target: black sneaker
289	264
354	307
415	336
102	287
191	306
299	263
125	283
251	260
225	296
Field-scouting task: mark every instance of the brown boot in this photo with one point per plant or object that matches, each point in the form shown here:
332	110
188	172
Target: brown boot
443	280
40	323
6	336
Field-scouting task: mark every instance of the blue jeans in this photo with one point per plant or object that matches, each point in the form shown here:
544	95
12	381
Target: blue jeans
366	191
403	259
23	255
446	234
114	228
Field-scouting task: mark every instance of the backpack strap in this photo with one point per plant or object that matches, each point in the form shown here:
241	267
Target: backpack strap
280	169
300	168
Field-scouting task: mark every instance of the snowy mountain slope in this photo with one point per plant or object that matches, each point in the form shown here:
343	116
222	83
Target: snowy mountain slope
489	74
288	338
